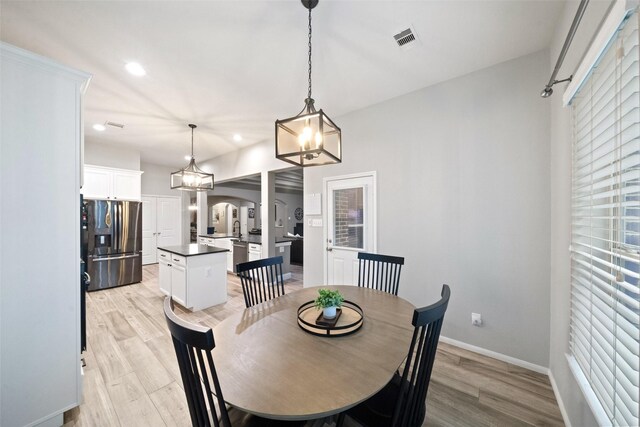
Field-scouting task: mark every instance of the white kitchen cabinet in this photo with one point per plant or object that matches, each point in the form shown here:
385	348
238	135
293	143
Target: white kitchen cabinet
209	241
226	243
196	281
127	185
97	183
41	115
111	183
179	284
255	251
230	257
164	274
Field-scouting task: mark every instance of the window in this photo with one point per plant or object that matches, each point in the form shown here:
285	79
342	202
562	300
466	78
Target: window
348	205
605	307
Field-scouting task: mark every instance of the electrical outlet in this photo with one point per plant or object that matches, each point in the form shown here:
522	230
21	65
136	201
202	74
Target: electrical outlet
476	319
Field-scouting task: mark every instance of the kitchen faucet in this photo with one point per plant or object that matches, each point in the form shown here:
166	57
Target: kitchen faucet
234	228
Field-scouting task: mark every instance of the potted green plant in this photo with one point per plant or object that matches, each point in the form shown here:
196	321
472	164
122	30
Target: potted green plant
328	301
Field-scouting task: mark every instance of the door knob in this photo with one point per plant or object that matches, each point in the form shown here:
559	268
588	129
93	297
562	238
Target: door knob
329	249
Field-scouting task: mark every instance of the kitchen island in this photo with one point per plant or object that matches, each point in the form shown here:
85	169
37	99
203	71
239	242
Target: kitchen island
194	275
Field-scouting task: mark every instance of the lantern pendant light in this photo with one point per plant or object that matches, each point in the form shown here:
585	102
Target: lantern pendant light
192	178
310	138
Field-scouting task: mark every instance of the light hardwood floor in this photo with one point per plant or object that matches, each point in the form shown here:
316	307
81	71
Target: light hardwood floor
132	377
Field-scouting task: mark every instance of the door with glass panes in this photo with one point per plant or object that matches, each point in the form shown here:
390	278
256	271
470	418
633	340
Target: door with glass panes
350	225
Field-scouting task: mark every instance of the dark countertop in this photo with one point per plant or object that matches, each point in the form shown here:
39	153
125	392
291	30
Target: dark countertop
217	235
257	239
193	249
251	238
287	239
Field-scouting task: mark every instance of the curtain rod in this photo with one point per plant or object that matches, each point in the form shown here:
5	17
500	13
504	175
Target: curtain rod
548	90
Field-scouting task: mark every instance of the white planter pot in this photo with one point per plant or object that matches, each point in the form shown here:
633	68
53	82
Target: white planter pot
329	312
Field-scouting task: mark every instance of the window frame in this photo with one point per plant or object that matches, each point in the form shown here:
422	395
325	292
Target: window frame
621	12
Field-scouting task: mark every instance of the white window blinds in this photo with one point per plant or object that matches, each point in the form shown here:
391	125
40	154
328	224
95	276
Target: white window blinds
605	334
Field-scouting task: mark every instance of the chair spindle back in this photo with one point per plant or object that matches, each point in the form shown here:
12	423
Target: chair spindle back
261	280
381	272
193	345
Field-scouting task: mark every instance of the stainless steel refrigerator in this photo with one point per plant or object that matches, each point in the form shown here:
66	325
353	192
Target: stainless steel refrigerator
114	243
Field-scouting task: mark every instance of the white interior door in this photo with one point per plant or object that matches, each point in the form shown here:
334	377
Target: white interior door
168	221
351	225
149	242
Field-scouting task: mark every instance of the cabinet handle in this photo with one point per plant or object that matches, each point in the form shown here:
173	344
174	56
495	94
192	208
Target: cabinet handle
169	265
163	255
176	260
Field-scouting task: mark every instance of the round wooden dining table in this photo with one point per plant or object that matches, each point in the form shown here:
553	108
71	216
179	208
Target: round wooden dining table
269	366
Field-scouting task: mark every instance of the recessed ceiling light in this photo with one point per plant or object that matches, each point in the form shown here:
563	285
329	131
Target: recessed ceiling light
237	137
135	69
187	158
99	127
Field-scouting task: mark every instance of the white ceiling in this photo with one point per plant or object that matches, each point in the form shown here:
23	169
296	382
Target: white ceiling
236	66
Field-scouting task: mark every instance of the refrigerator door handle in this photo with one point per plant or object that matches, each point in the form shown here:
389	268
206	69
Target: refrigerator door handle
116	227
115	258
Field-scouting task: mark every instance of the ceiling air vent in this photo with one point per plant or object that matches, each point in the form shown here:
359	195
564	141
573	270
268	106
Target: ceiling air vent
114	124
406	38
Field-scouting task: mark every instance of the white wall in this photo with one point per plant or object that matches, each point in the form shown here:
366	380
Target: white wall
560	215
292	201
248	161
156	180
463	195
107	155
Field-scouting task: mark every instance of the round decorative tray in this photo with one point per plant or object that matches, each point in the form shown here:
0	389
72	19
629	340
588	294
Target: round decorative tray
348	320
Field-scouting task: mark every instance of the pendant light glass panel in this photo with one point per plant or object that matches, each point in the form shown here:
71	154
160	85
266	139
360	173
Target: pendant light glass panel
308	140
192	178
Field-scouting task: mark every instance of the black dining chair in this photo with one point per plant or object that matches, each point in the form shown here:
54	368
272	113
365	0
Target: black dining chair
261	280
381	272
193	345
402	402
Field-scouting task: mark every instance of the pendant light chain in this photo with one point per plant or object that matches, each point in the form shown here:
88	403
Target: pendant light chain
192	143
309	93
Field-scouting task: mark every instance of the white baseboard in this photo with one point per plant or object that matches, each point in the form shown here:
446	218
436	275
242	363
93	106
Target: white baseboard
286	276
563	411
495	355
49	421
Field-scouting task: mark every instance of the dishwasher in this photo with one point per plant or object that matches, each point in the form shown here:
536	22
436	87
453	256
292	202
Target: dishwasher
239	254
